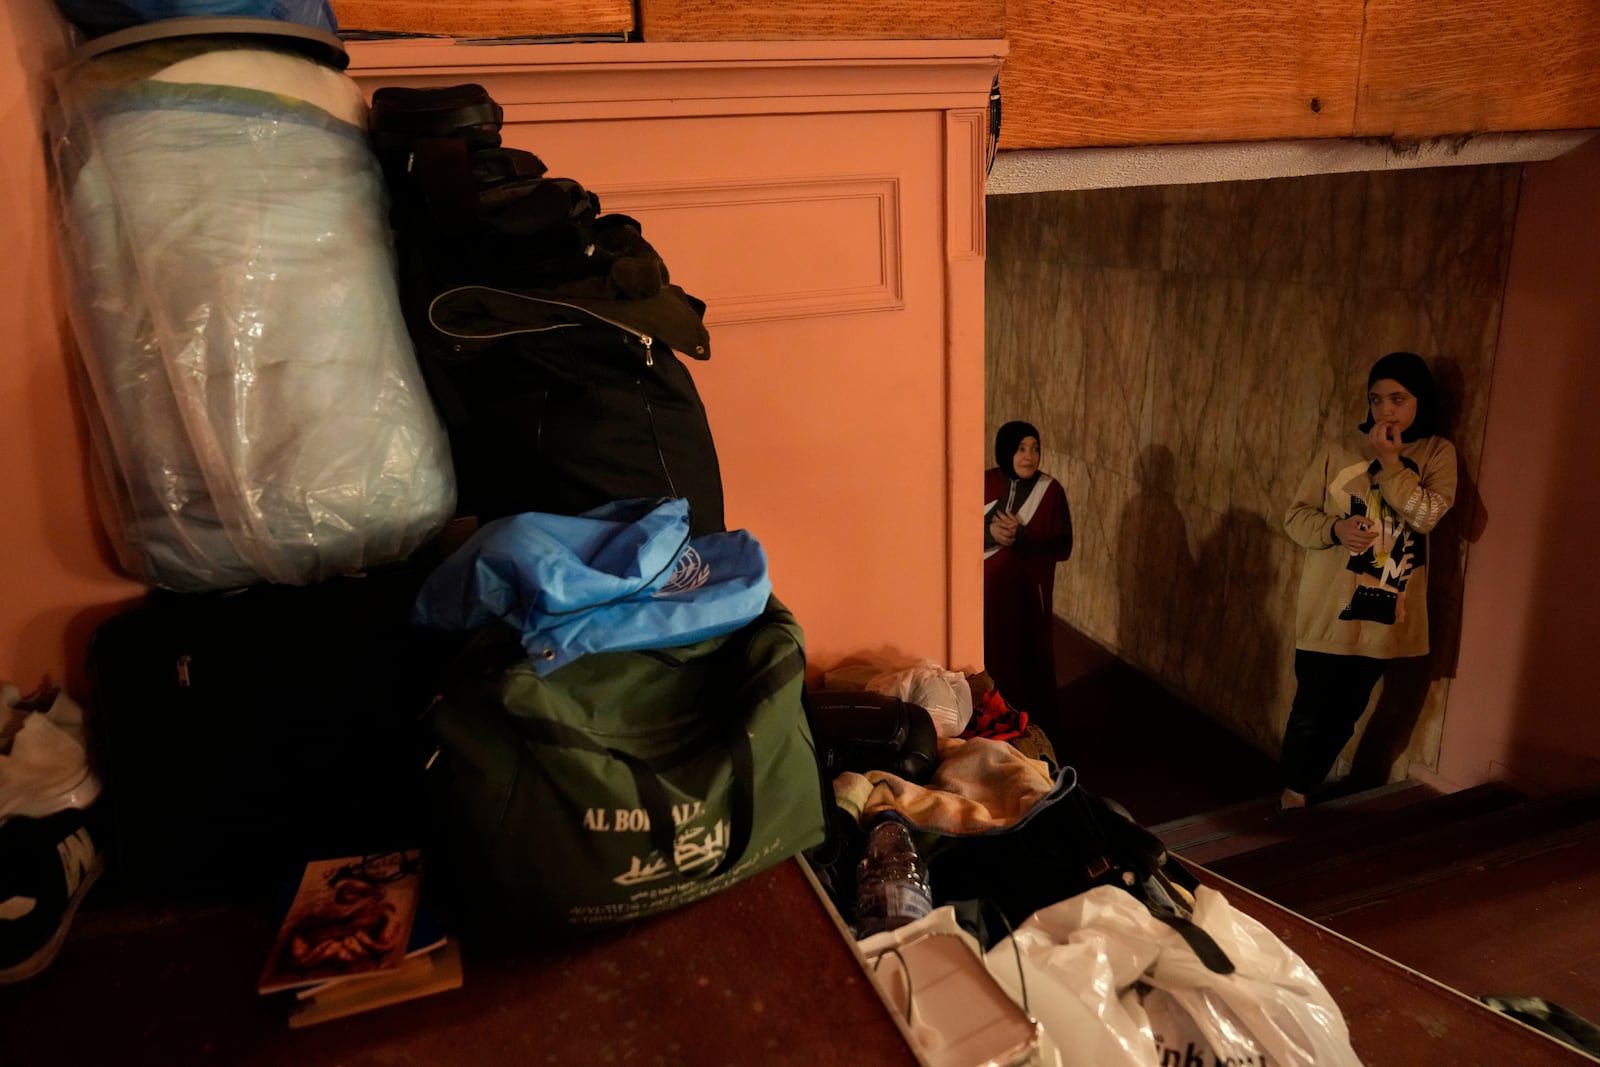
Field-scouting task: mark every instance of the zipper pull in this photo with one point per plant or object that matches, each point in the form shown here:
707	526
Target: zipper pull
183	671
649	354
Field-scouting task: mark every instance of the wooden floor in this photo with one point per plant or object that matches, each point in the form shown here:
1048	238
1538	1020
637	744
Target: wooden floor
1485	891
716	982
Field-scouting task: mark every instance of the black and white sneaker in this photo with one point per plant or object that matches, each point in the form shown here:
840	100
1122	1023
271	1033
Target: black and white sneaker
46	867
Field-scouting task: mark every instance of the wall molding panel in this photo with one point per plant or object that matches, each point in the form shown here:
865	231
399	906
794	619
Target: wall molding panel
831	230
966	133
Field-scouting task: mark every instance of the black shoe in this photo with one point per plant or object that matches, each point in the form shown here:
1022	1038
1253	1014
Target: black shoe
46	867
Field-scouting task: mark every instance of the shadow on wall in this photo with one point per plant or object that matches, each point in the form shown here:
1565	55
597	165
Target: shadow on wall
1155	570
1237	645
1462	525
1199	618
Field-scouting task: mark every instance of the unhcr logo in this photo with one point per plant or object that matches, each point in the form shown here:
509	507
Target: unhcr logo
690	574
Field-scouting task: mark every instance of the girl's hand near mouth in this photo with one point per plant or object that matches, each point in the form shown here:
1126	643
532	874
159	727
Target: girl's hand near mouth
1384	437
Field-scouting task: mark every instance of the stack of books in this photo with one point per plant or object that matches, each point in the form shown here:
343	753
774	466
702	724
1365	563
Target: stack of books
357	934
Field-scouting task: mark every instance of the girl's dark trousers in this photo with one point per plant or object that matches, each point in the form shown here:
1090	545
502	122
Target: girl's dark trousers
1330	694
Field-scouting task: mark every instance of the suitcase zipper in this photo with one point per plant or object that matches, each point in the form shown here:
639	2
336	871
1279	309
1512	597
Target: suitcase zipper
644	338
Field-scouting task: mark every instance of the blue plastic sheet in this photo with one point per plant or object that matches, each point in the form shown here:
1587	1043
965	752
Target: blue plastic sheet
624	576
97	17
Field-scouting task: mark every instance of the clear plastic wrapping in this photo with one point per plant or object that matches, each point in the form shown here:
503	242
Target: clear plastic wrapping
254	397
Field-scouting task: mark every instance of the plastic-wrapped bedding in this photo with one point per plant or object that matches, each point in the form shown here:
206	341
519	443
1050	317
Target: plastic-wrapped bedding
255	398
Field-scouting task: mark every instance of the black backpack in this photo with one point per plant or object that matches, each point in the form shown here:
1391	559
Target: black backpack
548	333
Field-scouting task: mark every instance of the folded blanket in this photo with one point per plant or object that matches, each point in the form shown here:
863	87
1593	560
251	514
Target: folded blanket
979	785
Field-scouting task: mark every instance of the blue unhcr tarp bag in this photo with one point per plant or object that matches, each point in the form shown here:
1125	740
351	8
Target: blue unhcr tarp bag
621	577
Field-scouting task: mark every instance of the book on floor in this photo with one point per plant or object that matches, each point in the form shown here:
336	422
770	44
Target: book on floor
427	936
359	932
418	976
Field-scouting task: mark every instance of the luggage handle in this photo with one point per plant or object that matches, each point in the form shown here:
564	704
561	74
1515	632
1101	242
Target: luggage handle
741	801
653	794
741	806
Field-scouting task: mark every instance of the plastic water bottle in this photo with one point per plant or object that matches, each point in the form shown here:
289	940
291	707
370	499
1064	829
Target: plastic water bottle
891	880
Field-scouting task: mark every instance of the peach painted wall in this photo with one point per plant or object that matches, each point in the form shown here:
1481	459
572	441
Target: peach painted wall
825	200
56	575
1524	702
842	256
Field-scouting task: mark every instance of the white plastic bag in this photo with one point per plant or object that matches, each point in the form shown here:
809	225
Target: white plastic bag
945	695
1116	987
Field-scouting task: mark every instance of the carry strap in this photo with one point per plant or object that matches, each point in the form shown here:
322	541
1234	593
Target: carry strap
741	805
1110	865
1163	904
646	773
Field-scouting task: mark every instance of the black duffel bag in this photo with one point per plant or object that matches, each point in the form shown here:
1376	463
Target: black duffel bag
549	334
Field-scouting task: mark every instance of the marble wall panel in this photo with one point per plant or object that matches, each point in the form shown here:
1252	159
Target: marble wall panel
1112	315
1080	360
1195	391
1087	583
1157	591
1047	361
1256	626
1185	352
1289	374
1438	230
1283	229
1113	228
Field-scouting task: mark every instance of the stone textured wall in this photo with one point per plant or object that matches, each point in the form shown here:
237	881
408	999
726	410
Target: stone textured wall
1185	349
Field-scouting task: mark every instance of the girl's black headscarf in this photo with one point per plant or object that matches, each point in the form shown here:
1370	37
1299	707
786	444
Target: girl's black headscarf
1008	440
1409	370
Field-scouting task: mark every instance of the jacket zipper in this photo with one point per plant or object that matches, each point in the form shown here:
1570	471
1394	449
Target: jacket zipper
538	424
655	438
644	338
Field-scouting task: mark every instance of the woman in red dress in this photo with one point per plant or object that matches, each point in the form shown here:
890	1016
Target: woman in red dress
1027	530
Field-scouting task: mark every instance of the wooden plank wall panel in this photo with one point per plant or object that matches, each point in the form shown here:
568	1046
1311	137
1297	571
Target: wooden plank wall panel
486	18
1103	72
708	20
1472	66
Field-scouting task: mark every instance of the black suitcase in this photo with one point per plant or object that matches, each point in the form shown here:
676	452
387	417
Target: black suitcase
244	734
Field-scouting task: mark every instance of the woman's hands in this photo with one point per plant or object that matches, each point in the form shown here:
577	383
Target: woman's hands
1356	532
1003	527
1384	437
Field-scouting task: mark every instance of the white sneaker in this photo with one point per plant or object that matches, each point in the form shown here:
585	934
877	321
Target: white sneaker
46	867
44	764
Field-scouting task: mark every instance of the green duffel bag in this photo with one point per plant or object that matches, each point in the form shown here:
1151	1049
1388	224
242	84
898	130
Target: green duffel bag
623	783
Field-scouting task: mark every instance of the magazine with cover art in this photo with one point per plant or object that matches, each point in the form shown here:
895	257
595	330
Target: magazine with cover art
433	972
350	916
427	937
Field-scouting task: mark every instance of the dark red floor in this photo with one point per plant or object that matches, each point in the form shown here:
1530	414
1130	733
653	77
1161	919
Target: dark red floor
1529	927
1131	740
760	975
